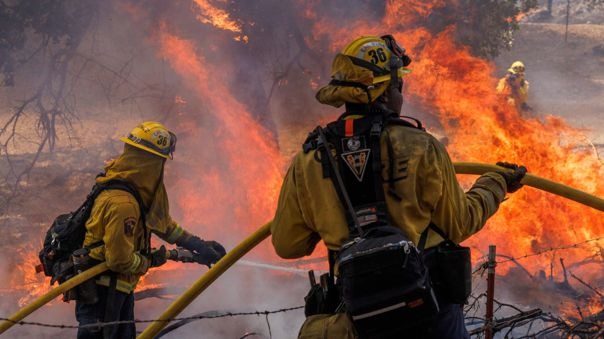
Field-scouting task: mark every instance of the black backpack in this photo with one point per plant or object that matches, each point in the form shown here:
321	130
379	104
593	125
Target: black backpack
383	281
66	234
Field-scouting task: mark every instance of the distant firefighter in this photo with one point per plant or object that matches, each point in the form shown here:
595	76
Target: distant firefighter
515	87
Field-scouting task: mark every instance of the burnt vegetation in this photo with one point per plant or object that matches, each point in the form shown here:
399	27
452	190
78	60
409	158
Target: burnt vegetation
49	55
48	58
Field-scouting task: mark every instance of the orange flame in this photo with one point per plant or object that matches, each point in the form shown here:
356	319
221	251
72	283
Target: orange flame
458	88
25	281
219	18
255	166
448	82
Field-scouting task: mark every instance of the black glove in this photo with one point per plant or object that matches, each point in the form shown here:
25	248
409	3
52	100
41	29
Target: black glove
512	179
206	252
158	257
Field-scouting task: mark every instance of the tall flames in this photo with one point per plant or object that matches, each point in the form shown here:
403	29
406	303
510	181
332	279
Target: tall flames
457	87
249	185
234	167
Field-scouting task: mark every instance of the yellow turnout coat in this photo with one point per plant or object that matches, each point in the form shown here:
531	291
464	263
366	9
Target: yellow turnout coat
309	209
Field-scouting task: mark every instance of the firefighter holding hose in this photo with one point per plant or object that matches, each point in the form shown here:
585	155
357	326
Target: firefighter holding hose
515	87
390	173
116	233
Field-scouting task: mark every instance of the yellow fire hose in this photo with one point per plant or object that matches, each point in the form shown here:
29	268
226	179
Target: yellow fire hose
202	283
536	182
69	284
262	233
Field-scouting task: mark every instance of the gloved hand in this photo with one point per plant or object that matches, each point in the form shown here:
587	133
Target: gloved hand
158	257
512	179
181	254
206	252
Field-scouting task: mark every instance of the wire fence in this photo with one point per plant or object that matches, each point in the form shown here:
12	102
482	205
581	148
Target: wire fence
182	320
532	323
551	249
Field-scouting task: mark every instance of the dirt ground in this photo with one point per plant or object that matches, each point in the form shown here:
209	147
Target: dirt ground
566	77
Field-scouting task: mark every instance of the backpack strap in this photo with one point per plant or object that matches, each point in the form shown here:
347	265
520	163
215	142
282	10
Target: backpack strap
95	245
402	121
128	187
351	216
375	135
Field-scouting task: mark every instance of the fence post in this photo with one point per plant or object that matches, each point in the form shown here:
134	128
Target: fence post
488	329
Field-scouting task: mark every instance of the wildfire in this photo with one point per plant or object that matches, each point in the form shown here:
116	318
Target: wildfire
25	280
235	167
447	81
219	18
458	87
247	190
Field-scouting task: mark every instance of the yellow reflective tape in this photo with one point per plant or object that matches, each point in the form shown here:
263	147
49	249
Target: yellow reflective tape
402	71
175	234
381	78
136	262
121	285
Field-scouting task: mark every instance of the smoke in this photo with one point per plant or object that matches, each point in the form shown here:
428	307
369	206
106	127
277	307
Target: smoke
241	103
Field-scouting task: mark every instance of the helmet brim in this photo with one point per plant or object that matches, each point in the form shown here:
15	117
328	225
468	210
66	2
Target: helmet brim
143	147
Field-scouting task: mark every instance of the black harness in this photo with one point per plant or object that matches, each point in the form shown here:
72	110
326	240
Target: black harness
358	149
358	177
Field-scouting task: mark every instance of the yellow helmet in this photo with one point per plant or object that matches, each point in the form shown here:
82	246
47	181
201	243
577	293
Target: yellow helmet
517	67
377	51
153	137
362	71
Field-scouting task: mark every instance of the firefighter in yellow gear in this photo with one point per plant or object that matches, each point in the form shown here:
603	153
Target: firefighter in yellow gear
515	87
309	209
116	223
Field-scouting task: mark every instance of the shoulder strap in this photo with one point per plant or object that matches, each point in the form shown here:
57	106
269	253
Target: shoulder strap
323	147
375	135
124	186
400	120
128	187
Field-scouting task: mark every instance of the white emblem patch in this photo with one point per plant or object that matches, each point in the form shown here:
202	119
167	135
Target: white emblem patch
353	144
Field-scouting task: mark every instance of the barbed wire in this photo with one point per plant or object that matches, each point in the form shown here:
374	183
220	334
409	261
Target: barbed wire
551	249
120	322
592	329
558	323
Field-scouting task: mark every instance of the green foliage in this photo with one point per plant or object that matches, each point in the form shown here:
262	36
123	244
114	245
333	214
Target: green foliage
28	27
488	26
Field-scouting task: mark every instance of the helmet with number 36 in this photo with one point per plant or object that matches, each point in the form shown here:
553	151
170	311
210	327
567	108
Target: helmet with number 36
153	137
363	71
